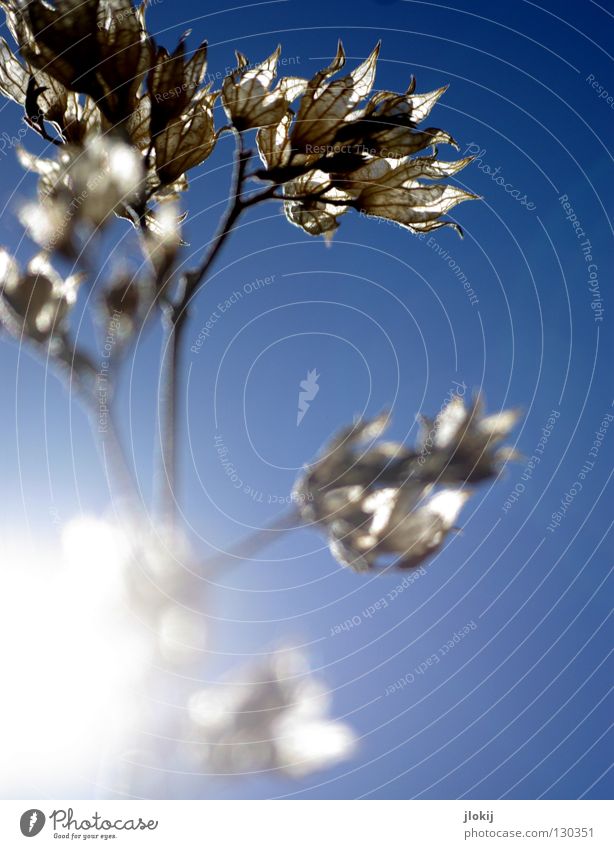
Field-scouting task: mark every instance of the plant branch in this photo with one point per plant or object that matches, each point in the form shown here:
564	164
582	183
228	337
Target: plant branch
79	371
175	317
193	279
168	407
252	544
319	198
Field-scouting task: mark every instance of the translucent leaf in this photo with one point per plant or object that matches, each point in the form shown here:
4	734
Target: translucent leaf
187	142
325	107
246	96
274	144
13	76
409	207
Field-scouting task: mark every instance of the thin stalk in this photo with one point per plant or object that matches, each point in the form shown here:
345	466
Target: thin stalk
252	544
169	401
175	318
78	370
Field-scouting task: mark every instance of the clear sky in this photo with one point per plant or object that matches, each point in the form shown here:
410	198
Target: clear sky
519	707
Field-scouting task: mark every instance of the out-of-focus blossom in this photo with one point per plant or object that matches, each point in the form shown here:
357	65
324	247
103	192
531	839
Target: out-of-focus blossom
81	189
106	174
125	304
162	241
35	302
246	96
122	297
277	719
50	225
337	154
375	500
463	444
157	572
408	522
181	635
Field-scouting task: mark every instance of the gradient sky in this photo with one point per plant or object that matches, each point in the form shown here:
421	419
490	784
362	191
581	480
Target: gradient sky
519	708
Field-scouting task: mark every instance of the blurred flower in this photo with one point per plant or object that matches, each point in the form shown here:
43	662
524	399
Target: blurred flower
126	300
246	96
181	635
157	572
49	170
408	522
162	241
107	173
82	188
463	444
123	297
277	720
335	155
50	226
35	302
381	500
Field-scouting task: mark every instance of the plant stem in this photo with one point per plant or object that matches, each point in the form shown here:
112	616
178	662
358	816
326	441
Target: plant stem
252	544
193	279
175	318
169	401
78	370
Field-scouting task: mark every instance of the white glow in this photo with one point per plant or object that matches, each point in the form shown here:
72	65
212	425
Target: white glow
211	707
125	167
450	421
44	223
306	747
447	504
66	663
381	504
181	635
94	552
167	221
8	277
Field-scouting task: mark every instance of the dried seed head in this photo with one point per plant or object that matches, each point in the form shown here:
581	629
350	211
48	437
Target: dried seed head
379	500
274	718
35	302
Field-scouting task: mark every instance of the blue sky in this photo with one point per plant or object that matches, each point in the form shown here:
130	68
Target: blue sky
519	707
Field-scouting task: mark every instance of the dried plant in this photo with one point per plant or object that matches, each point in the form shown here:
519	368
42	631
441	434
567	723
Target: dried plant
388	500
128	120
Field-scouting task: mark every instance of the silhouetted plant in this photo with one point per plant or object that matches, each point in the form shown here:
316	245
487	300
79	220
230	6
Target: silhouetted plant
128	120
